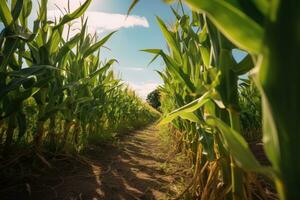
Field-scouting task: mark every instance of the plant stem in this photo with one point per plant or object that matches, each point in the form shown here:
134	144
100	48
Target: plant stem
236	172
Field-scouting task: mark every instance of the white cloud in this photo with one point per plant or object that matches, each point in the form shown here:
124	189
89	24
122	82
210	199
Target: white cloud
143	89
135	69
74	4
102	22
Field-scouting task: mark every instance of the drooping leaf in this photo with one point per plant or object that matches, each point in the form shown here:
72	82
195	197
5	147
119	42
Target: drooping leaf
191	107
132	5
238	148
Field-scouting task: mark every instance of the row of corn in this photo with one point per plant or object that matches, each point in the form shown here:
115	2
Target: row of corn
54	89
201	96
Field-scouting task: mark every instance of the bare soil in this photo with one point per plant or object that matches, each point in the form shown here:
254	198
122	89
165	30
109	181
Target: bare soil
138	167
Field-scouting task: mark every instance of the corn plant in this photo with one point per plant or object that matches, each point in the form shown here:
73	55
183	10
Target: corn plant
258	28
55	90
14	88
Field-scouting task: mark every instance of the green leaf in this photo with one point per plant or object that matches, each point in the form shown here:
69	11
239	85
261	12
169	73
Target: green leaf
175	13
234	24
8	50
270	136
205	56
203	34
190	116
74	15
191	107
53	43
96	46
171	40
174	67
67	47
17	9
239	149
133	4
103	69
5	14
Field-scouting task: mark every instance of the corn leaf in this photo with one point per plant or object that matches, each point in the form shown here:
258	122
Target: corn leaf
74	15
132	5
67	47
205	56
171	40
190	116
97	45
270	136
239	148
191	107
234	24
17	9
5	14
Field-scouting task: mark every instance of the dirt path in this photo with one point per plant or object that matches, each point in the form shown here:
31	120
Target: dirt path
137	168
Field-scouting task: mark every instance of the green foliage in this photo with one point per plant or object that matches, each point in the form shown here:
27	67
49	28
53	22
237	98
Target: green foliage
204	98
251	112
55	90
280	93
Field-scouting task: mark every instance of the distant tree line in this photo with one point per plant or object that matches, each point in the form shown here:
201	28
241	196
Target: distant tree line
153	99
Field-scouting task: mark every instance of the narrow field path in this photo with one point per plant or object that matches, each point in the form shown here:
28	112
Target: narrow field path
138	167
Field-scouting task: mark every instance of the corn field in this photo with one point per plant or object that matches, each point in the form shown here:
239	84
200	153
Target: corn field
55	91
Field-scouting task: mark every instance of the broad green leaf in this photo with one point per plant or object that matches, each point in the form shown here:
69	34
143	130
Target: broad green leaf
191	107
234	24
5	14
239	149
53	43
270	135
190	116
203	34
205	56
171	40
